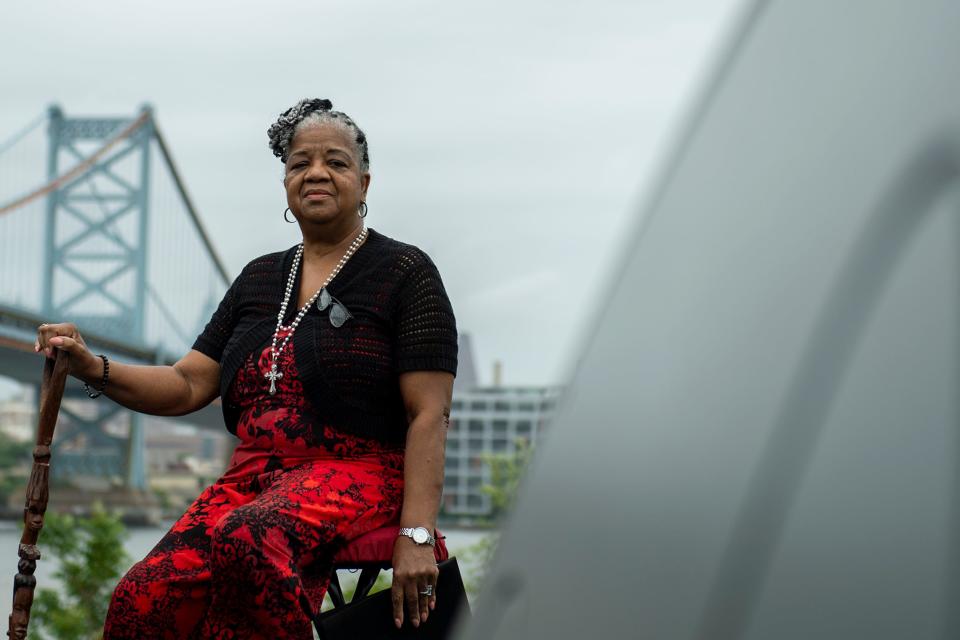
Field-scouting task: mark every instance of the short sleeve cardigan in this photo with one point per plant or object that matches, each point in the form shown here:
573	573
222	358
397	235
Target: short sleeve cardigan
401	320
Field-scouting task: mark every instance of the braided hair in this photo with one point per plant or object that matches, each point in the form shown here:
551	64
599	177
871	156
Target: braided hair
314	111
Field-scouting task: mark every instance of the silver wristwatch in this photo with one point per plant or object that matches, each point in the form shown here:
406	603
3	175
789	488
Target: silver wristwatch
418	535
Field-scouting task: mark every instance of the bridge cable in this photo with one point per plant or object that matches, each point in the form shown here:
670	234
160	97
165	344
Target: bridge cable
20	135
161	143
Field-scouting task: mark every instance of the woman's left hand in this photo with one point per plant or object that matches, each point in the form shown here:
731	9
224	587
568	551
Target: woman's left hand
414	567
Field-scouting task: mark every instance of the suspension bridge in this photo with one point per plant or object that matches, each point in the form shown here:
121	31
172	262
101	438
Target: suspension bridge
97	228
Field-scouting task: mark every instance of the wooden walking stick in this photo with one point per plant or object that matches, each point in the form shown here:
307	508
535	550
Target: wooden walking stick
38	491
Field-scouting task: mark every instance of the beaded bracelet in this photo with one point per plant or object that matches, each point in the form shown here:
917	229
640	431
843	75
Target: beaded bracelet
103	380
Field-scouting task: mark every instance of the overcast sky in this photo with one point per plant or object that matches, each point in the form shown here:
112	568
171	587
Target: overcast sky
513	141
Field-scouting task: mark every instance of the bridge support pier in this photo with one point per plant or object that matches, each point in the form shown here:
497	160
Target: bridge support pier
96	270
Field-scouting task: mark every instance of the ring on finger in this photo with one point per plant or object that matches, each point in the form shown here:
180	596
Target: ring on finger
427	590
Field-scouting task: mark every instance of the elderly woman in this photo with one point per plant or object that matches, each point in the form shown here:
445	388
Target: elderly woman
334	361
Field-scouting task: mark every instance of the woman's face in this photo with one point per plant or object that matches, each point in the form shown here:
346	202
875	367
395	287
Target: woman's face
323	180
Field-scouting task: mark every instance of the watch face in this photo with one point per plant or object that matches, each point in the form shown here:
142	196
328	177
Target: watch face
420	535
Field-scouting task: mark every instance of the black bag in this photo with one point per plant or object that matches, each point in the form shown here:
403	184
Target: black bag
372	617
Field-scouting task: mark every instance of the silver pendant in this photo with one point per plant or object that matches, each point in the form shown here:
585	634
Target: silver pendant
273	375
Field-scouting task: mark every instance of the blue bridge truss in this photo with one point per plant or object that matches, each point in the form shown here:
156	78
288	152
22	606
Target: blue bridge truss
97	228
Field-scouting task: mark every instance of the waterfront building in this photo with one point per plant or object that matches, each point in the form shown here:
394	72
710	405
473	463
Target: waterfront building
488	420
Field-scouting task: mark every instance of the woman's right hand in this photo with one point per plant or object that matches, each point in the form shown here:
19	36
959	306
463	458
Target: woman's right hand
66	337
189	384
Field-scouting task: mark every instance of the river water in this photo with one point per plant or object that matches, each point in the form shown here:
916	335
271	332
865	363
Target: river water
141	540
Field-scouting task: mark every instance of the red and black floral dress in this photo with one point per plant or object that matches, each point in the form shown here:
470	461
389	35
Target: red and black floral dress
251	557
317	464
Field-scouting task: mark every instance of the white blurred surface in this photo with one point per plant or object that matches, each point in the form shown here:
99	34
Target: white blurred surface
761	439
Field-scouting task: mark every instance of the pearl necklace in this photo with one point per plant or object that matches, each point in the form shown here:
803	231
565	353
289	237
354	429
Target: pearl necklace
275	375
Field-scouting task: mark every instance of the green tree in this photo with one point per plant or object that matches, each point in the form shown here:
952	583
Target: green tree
506	472
91	555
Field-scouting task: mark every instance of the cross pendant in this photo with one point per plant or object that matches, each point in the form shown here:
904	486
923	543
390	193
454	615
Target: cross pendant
273	376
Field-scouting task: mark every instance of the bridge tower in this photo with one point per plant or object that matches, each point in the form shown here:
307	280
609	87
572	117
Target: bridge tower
96	268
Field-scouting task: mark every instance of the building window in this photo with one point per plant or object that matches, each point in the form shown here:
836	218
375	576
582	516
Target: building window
501	405
499	445
523	427
453	445
474	501
476	426
456	405
478	405
454	425
475	444
453	463
499	427
525	406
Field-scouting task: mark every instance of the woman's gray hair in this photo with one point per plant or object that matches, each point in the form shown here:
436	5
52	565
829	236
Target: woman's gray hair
311	112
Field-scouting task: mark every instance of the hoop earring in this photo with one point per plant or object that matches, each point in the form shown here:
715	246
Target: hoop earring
286	218
363	210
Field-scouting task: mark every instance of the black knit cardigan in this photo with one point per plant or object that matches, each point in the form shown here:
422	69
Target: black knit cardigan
401	321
